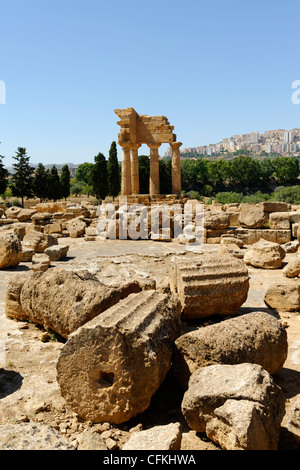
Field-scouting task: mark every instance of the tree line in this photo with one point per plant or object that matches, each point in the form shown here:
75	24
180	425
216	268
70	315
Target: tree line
244	174
101	178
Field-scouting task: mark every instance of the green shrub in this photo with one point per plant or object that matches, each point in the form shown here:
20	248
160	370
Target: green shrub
229	197
256	198
290	195
195	195
207	190
14	203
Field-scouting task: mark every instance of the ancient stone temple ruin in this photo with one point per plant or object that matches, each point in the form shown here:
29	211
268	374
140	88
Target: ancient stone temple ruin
136	130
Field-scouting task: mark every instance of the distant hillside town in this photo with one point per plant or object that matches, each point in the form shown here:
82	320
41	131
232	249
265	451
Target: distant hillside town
279	141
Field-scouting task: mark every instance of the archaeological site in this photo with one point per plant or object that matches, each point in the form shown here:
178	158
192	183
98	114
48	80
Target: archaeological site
149	321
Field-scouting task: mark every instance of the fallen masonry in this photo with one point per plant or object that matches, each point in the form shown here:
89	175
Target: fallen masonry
257	338
62	300
210	286
109	369
238	406
121	341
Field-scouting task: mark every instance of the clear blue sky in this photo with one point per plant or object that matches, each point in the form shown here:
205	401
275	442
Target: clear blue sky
214	68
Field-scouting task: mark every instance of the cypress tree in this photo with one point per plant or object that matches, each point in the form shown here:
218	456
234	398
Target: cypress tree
65	182
113	171
99	177
23	176
41	182
54	187
3	177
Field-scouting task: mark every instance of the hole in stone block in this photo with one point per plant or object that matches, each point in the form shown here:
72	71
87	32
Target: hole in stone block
100	379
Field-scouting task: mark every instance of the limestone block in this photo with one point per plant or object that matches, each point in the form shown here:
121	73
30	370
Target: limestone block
39	241
57	252
13	307
234	219
91	232
109	369
217	234
232	250
269	235
10	250
20	229
53	228
76	227
293	420
12	212
40	262
279	220
295	217
65	300
166	437
210	285
229	240
291	247
292	269
27	254
41	218
283	236
248	236
25	214
284	296
239	406
265	254
257	338
252	216
7	221
51	207
269	207
294	230
217	221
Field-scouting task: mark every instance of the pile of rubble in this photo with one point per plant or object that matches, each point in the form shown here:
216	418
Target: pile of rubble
165	219
120	343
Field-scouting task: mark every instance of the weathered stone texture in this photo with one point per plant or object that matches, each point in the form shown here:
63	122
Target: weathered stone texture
76	227
39	241
166	437
292	269
65	300
40	262
265	254
238	406
284	296
13	307
10	250
257	338
209	286
110	368
293	421
279	220
57	252
27	436
252	216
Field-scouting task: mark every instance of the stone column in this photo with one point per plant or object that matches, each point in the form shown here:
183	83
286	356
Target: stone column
154	186
135	180
176	168
126	170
